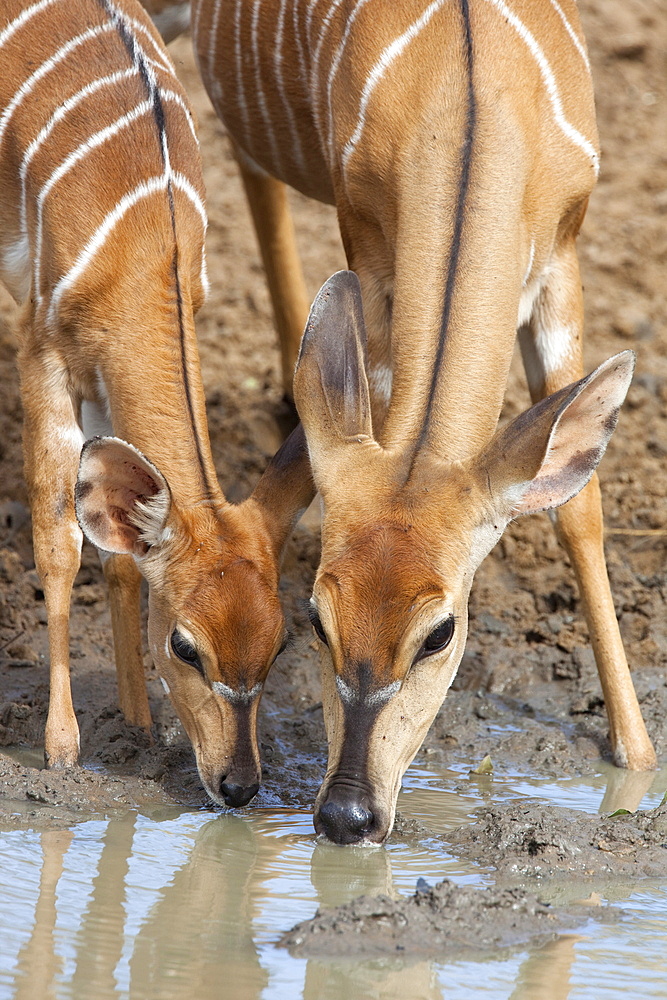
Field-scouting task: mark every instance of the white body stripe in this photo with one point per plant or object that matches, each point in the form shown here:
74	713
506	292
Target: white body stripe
57	116
334	70
213	79
93	142
549	82
388	56
46	67
571	32
23	17
295	146
99	237
240	89
259	92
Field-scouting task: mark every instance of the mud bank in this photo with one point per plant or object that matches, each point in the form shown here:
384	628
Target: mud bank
446	920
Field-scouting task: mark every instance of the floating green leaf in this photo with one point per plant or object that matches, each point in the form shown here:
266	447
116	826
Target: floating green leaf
486	767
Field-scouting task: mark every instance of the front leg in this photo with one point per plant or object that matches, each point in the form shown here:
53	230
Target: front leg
52	443
551	346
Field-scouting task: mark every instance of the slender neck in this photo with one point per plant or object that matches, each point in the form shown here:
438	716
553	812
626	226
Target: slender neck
151	373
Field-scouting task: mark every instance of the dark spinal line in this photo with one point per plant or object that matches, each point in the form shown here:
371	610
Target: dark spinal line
138	59
457	236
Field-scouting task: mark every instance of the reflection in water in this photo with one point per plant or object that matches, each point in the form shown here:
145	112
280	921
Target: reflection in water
198	939
188	908
545	975
38	964
626	789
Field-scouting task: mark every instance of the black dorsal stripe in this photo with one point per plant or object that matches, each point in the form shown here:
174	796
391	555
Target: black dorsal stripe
138	59
457	235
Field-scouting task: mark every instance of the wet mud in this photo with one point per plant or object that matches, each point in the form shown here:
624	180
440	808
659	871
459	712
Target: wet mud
527	691
443	920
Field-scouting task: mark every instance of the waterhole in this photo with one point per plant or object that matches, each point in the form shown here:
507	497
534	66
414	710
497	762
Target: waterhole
173	905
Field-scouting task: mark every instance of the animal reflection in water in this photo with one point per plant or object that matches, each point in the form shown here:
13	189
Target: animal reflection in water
202	930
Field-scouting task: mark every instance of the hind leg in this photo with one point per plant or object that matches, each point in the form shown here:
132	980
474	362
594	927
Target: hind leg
551	346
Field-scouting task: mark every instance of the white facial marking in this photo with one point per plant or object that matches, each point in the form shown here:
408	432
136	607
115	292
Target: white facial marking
378	697
236	697
167	647
165	685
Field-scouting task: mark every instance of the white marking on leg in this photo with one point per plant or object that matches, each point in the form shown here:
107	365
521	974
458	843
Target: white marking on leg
16	264
295	144
555	346
571	32
529	268
46	68
334	70
94	420
387	57
528	299
549	80
237	696
381	379
71	436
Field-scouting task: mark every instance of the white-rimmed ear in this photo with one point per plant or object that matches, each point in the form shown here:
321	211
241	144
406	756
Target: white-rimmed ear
122	501
330	383
546	455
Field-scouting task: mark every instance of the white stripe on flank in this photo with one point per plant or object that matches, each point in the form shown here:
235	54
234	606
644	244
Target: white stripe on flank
297	39
46	67
143	190
334	70
213	49
261	98
550	83
388	56
24	16
295	146
56	117
238	50
93	142
315	67
159	51
571	32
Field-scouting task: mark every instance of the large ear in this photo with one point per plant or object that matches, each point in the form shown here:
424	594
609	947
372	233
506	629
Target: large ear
285	488
330	383
122	501
547	454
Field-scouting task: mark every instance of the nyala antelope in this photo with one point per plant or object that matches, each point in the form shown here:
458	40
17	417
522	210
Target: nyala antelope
457	140
102	226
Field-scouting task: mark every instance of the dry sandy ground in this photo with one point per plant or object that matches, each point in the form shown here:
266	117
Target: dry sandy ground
527	691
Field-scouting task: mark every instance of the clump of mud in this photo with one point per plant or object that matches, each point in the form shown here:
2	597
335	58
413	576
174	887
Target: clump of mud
39	799
447	919
531	838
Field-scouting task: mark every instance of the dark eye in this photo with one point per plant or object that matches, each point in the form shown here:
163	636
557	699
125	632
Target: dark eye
185	651
316	622
440	637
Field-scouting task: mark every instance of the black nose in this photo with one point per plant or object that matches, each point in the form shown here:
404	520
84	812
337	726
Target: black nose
344	816
237	795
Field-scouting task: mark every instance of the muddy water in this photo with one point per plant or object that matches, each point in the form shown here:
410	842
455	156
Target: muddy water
188	905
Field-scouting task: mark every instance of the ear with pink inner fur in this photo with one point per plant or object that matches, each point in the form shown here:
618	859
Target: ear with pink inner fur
546	455
122	501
